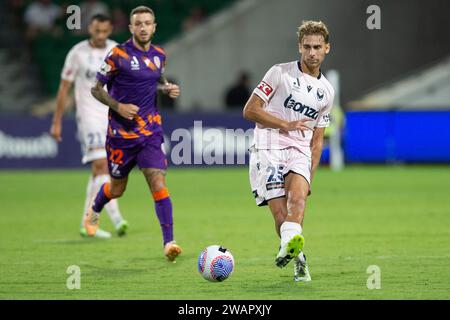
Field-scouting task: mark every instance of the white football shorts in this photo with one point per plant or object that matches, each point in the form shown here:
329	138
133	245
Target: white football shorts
268	168
92	136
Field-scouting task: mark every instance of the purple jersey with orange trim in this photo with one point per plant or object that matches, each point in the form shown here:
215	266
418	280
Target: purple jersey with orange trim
131	76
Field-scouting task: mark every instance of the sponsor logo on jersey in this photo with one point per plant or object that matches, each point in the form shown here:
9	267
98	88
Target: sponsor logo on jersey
265	88
309	88
300	107
320	94
105	68
134	63
157	62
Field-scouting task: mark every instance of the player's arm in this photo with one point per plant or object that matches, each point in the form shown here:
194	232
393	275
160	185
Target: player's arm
172	90
126	110
316	149
61	99
254	111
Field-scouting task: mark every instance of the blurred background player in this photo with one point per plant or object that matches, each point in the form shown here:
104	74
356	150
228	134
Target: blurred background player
81	65
132	72
291	108
237	95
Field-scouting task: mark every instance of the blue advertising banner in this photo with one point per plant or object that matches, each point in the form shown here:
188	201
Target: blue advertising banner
190	139
25	142
224	138
397	136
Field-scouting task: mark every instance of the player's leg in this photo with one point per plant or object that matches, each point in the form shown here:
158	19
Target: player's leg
90	193
296	177
297	188
120	163
101	176
163	206
266	171
92	146
152	161
292	241
278	208
108	191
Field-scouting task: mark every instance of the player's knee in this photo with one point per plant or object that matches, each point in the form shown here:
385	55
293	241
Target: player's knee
157	185
116	192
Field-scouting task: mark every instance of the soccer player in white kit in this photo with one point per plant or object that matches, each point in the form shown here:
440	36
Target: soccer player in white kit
80	67
291	107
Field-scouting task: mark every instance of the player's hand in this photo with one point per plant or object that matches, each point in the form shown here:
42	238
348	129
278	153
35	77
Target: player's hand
55	131
172	90
128	110
297	125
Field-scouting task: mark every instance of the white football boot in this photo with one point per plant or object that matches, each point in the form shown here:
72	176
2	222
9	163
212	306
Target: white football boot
301	270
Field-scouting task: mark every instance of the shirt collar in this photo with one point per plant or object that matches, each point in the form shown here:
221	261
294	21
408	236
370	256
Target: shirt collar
300	68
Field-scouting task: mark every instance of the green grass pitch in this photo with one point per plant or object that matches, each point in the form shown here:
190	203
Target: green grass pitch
397	218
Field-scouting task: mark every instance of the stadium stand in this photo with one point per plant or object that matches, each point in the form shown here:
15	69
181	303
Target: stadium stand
49	51
17	92
427	88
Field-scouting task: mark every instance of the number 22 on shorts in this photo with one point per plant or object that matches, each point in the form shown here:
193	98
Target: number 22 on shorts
116	156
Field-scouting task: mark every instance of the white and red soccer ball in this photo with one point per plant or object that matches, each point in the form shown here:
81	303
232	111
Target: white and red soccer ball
215	263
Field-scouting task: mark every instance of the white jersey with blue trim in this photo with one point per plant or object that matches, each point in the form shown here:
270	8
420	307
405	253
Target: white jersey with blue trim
81	66
291	95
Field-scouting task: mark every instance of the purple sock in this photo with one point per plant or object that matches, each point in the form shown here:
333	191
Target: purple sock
164	212
103	197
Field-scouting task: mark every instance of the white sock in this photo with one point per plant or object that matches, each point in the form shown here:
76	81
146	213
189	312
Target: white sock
112	207
288	230
90	192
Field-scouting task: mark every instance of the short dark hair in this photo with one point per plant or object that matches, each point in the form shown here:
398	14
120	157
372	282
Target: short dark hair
141	9
101	18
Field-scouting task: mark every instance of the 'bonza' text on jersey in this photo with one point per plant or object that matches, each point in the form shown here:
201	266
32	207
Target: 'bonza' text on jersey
300	107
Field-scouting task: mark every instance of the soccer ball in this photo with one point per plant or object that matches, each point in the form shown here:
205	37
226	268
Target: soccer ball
215	263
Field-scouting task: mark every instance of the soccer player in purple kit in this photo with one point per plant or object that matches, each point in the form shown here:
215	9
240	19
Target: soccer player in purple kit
133	72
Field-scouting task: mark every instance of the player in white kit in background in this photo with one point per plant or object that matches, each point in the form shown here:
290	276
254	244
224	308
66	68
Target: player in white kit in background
81	66
291	107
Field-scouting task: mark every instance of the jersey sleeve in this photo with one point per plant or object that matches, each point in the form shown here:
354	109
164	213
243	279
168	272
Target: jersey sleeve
163	59
110	66
71	66
323	120
269	84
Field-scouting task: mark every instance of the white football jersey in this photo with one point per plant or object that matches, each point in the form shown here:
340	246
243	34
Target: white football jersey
81	66
291	94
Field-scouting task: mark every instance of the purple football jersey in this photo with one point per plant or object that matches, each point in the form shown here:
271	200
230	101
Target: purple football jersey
131	76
